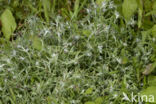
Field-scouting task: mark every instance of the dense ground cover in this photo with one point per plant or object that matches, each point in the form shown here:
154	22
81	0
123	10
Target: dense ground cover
92	59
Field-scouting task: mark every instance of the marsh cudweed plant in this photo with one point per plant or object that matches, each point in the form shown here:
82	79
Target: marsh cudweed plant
73	62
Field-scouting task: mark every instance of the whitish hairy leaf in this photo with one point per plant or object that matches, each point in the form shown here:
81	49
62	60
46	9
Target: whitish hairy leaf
128	8
8	23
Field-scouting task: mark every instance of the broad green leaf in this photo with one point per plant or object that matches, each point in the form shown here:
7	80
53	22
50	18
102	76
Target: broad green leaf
89	91
86	32
37	43
99	100
8	23
128	8
89	102
150	92
152	80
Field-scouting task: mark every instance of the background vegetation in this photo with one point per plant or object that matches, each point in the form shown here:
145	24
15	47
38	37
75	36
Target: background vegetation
76	51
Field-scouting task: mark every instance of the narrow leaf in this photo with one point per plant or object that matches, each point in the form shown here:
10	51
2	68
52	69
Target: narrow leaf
46	7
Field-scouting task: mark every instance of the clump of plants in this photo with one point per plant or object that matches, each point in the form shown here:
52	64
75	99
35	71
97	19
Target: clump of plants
75	51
